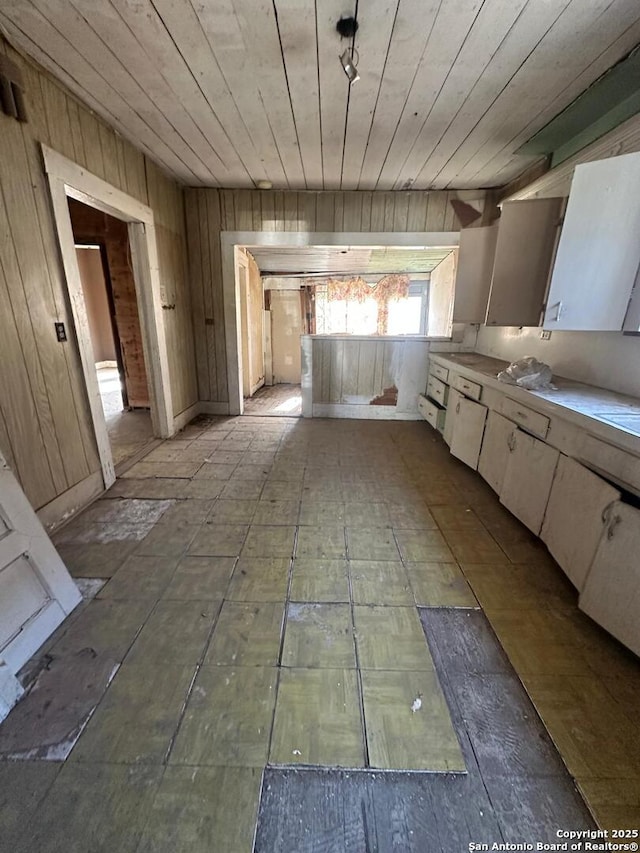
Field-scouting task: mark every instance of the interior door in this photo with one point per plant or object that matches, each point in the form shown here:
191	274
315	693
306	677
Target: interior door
36	591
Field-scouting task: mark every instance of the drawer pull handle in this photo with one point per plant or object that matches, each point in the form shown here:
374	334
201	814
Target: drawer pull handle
521	415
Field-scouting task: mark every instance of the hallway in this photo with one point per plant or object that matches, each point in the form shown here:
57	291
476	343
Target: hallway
305	596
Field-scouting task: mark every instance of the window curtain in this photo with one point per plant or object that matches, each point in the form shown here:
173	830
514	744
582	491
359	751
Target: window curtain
357	290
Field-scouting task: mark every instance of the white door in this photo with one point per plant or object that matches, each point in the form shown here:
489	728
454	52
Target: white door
599	251
611	594
495	450
468	429
36	591
575	517
528	478
452	413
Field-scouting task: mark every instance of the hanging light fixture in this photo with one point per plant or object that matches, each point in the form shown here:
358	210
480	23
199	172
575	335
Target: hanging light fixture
347	28
349	64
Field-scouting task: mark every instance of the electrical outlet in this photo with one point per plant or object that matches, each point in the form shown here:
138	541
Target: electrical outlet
545	334
61	332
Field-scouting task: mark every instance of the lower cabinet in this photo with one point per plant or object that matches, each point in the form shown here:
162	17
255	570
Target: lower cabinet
611	594
575	517
452	413
495	450
468	429
528	478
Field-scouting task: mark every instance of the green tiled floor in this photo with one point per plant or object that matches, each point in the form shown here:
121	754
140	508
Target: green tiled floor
262	608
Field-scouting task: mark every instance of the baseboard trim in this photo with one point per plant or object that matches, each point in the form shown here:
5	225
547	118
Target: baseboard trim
209	408
181	420
362	413
69	503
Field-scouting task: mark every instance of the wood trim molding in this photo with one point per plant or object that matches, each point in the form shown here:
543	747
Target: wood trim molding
67	178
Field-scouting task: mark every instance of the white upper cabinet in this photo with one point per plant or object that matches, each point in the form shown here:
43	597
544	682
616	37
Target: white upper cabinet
527	234
599	250
473	277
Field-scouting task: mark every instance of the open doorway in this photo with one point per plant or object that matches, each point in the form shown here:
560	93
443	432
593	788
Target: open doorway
108	286
360	292
67	181
272	322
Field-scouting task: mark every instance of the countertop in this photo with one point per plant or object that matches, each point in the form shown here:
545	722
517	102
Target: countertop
612	416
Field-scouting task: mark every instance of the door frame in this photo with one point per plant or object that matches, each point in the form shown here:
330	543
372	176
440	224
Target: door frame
68	179
294	239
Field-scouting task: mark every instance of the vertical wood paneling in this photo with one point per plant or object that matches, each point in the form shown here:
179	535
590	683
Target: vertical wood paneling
324	212
46	423
280	210
214	215
33	266
366	368
198	291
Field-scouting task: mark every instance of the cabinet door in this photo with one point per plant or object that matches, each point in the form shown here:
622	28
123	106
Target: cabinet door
527	480
611	594
574	519
599	251
452	413
473	277
527	235
495	450
468	429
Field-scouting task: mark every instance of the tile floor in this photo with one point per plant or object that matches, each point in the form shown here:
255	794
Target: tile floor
275	401
264	579
129	431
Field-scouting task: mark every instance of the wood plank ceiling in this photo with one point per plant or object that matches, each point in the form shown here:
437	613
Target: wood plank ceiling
348	260
232	92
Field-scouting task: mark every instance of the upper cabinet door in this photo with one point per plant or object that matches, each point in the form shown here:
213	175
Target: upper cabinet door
527	233
476	253
599	250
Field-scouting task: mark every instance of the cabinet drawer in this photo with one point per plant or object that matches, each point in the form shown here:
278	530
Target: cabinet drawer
431	412
468	388
531	421
437	390
439	372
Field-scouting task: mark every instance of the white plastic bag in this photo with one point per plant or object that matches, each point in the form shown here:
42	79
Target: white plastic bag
528	373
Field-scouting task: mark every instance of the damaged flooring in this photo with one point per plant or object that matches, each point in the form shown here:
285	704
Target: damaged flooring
283	592
275	401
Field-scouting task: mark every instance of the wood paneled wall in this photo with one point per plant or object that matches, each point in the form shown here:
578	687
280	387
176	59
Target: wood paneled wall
210	211
45	427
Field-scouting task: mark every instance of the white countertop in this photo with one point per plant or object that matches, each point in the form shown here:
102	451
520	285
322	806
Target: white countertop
611	416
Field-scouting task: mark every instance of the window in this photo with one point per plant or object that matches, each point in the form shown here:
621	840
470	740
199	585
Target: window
344	307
